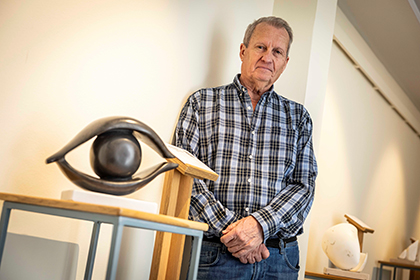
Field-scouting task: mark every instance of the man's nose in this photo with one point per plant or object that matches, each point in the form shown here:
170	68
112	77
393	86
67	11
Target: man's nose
267	56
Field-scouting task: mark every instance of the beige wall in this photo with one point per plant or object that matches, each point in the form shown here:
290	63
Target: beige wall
67	63
368	158
64	64
305	79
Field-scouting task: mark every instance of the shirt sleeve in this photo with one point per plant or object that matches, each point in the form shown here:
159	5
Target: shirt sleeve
204	206
287	211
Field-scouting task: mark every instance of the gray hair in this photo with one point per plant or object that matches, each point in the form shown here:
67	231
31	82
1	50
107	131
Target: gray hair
273	21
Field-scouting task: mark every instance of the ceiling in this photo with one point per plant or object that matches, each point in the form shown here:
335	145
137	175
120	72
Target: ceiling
392	30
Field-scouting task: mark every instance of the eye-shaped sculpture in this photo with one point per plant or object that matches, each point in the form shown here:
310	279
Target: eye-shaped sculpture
115	156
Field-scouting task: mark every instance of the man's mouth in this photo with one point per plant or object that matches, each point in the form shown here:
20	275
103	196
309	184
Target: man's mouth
264	68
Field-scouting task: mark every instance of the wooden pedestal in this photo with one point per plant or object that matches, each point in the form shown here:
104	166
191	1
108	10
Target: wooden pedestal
176	197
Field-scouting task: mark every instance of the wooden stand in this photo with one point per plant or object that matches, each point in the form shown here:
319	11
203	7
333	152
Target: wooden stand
101	214
361	228
317	276
346	274
176	197
395	264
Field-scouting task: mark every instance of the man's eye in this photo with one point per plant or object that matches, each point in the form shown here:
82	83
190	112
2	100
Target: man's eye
115	156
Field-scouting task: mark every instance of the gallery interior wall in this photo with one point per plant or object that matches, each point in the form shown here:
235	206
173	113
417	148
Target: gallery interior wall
368	162
305	78
64	64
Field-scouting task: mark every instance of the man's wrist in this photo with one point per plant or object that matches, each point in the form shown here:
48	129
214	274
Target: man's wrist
262	224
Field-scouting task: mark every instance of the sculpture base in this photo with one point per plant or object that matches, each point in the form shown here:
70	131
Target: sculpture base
405	261
345	273
110	200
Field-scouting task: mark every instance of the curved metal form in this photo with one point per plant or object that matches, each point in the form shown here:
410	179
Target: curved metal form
112	187
116	186
145	134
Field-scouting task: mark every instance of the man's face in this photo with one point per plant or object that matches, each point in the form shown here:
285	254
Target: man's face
265	58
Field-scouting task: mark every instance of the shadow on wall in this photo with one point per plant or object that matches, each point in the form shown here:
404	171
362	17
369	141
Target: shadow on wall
217	58
216	67
43	259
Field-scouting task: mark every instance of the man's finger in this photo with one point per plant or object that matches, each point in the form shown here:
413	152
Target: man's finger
229	237
243	260
251	260
230	227
264	252
241	253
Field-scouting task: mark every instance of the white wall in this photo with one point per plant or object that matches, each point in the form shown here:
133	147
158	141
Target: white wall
368	159
305	78
64	64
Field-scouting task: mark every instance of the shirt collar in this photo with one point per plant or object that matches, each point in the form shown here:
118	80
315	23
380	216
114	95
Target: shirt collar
242	88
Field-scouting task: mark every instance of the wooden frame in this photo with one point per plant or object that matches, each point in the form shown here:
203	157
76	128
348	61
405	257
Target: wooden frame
175	202
361	228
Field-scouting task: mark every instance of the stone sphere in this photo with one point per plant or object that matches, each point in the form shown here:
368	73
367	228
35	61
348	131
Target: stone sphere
341	245
115	155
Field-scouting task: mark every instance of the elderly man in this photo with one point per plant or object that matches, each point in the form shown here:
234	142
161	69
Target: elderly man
260	144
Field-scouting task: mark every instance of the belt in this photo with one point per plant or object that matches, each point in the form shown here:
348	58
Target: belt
272	242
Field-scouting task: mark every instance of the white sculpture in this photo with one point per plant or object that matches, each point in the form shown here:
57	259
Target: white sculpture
411	253
341	245
362	263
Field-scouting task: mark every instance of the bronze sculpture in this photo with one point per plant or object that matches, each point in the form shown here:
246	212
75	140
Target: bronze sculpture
115	156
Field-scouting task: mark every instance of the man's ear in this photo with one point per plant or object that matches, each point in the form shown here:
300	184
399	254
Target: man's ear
242	51
284	66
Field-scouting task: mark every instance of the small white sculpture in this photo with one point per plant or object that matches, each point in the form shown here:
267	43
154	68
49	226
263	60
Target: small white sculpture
411	253
341	245
362	263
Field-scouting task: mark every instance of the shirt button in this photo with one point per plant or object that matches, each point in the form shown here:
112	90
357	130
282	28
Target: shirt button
249	107
253	132
247	209
250	156
244	89
249	180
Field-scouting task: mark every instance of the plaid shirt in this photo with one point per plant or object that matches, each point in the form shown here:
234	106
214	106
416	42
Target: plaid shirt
264	158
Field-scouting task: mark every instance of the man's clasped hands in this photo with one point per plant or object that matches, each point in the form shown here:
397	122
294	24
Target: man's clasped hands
244	240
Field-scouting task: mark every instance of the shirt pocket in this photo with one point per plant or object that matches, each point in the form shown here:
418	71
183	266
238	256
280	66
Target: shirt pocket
282	151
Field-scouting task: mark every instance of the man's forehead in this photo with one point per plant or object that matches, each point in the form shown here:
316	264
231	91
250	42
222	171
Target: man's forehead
261	32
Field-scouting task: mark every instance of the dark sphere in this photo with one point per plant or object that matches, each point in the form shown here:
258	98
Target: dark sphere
115	155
